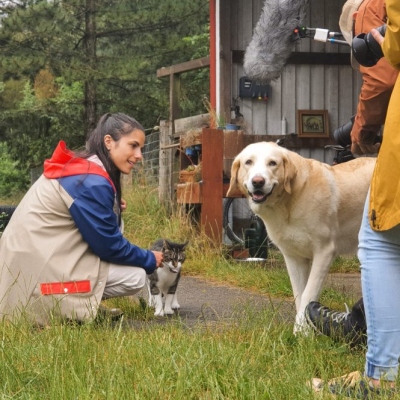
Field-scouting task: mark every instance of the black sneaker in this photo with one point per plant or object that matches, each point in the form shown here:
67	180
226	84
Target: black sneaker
348	326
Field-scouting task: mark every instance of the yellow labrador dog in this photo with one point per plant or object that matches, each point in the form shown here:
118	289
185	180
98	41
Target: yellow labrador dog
312	211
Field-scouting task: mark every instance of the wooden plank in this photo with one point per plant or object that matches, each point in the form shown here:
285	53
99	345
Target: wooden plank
174	96
316	20
212	166
303	92
184	67
182	125
259	107
345	96
247	21
288	77
291	141
331	101
274	111
317	86
235	26
332	12
259	112
225	61
233	144
189	193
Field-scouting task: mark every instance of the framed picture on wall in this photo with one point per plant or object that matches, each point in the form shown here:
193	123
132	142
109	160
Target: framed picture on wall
312	123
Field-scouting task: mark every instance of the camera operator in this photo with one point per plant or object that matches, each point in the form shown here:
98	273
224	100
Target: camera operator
377	86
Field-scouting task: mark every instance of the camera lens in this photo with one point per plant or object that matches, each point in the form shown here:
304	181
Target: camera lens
342	134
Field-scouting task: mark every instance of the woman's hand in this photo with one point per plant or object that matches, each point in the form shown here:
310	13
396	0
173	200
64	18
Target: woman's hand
123	205
159	258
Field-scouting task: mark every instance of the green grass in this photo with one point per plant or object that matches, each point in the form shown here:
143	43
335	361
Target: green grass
255	357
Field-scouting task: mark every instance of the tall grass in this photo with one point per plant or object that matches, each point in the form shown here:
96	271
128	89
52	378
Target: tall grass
256	356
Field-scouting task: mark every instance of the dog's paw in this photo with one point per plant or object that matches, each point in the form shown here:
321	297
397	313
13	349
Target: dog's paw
301	326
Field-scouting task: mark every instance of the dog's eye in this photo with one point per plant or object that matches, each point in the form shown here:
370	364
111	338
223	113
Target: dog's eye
249	162
272	163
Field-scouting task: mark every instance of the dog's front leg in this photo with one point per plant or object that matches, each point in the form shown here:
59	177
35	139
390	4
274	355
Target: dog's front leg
299	271
319	271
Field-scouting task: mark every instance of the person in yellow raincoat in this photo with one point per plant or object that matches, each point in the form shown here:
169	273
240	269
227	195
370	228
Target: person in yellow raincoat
379	247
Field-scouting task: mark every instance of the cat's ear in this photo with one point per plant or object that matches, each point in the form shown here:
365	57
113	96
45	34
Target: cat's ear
185	244
166	244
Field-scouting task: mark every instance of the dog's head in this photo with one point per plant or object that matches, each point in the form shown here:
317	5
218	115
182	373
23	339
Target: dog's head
262	171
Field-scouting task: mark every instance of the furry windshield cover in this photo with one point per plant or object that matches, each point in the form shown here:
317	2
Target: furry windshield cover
271	44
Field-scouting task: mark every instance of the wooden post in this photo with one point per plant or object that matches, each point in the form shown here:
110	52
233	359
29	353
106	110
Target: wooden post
225	56
212	172
174	96
166	190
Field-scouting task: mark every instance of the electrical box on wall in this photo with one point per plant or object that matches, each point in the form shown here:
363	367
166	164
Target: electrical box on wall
253	90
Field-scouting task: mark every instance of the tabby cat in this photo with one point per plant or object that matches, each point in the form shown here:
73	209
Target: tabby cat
163	282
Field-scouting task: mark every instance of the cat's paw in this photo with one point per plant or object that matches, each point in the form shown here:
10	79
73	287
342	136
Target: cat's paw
175	306
159	313
169	311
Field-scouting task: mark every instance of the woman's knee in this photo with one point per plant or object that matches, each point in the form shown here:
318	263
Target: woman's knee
135	279
141	278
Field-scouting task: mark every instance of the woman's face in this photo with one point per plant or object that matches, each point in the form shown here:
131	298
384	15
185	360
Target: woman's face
127	151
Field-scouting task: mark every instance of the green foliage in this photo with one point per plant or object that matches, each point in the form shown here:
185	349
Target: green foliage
11	180
3	219
133	40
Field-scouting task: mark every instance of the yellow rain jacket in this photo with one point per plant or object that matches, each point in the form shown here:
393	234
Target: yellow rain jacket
384	207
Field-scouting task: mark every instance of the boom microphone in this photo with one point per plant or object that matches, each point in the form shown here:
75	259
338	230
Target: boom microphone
272	43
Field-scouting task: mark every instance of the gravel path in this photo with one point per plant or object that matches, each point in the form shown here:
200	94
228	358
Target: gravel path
204	303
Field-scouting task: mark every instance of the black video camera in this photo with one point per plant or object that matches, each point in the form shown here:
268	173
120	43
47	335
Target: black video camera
366	50
342	134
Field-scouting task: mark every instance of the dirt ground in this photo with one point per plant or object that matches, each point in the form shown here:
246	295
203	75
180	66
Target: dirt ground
205	303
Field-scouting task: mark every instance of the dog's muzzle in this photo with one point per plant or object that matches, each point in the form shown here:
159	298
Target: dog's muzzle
258	194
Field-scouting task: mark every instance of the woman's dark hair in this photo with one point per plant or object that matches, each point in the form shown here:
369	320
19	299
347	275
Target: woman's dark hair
115	125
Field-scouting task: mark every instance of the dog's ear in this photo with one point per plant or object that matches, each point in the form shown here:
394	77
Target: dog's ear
233	185
289	173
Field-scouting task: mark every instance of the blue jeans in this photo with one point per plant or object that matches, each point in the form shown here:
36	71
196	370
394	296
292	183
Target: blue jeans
379	255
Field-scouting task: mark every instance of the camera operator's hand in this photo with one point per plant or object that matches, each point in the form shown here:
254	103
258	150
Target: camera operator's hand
363	141
359	148
377	36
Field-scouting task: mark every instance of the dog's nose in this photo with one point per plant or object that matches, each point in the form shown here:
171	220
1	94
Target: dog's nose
258	181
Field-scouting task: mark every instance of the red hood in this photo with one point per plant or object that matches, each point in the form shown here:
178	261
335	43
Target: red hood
64	163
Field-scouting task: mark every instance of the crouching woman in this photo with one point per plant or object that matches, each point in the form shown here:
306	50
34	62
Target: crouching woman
63	250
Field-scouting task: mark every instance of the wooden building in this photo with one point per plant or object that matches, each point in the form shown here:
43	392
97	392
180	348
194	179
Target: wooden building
318	76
